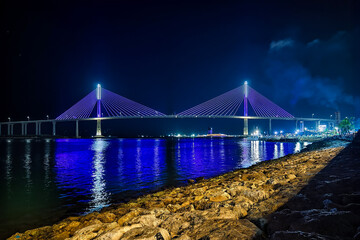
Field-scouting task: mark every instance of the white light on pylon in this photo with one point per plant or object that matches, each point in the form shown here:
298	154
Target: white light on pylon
98	92
246	89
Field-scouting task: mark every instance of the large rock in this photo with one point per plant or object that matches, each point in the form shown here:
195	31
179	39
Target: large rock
117	233
87	233
174	223
107	217
299	235
127	217
146	233
225	230
220	197
324	222
149	220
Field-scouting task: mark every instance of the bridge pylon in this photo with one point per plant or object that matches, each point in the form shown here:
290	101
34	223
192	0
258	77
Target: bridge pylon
246	123
98	111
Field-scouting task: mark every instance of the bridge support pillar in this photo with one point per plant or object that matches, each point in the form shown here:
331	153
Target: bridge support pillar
98	128
54	128
39	128
22	129
246	127
317	123
12	129
270	126
9	129
77	128
25	129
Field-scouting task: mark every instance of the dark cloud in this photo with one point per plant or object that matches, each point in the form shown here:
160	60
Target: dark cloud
316	71
278	45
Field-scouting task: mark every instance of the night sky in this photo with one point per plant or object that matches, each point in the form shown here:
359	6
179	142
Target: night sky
172	55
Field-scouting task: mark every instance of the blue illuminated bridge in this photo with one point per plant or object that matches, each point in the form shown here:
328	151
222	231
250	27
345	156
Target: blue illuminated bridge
102	104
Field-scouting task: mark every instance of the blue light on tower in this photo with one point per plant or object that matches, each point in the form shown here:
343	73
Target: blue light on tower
98	97
245	99
98	122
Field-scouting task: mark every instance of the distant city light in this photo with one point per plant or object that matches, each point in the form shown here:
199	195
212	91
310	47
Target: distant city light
256	133
276	132
322	128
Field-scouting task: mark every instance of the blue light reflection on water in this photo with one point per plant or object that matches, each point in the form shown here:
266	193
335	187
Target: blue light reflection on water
43	181
99	172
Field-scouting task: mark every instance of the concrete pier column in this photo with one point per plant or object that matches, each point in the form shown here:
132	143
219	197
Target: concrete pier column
8	129
22	129
317	123
77	128
39	128
25	129
12	129
270	126
54	128
246	127
98	128
36	128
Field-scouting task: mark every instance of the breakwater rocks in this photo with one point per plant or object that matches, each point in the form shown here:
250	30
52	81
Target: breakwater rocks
235	205
328	207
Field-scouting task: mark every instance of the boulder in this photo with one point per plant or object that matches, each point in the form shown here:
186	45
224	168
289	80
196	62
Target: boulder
87	233
117	233
225	230
127	217
146	233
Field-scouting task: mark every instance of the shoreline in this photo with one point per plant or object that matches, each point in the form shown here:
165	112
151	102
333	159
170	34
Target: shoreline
233	203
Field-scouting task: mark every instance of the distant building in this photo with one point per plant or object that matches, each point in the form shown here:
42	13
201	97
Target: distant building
210	130
337	117
302	127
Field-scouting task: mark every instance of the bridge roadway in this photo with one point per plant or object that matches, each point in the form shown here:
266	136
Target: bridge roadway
24	124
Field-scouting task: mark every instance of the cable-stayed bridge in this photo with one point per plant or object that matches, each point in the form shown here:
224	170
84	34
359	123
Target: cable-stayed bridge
101	104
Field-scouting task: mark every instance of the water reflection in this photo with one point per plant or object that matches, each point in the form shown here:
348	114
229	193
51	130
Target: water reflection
138	159
70	176
245	160
120	161
276	151
255	151
282	153
156	161
8	166
27	166
47	163
100	197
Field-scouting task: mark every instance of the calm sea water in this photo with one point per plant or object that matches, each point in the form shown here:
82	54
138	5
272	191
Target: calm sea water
43	181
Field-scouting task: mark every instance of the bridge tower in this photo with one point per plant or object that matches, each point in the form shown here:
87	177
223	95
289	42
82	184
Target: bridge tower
98	112
246	126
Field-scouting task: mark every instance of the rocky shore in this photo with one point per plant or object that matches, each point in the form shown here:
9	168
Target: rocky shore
279	199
